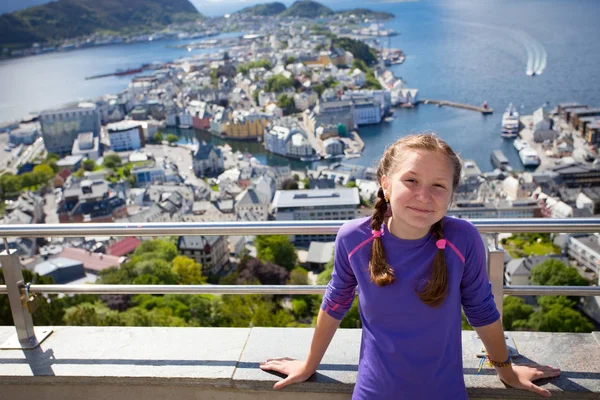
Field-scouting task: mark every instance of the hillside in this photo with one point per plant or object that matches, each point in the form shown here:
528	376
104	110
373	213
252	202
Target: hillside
64	19
366	13
307	9
265	9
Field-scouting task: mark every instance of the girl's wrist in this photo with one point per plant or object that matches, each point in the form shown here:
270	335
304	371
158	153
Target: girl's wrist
499	366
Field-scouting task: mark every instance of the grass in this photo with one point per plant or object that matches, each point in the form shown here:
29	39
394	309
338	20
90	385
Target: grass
519	247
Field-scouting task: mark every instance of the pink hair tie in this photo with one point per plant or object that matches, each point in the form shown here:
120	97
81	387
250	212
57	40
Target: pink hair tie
376	234
441	244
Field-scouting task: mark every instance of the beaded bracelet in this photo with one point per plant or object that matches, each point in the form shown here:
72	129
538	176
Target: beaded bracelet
487	360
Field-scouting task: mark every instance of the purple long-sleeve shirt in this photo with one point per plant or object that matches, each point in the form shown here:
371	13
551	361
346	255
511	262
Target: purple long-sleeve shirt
408	349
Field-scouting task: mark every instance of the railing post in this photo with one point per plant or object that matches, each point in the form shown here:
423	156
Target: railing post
495	271
26	333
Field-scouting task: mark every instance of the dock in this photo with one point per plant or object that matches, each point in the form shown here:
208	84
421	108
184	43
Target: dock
483	110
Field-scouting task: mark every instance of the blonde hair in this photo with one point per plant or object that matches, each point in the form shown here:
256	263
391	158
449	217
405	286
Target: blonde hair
434	292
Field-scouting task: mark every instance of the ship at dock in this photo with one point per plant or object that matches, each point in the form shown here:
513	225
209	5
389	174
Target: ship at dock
510	122
500	161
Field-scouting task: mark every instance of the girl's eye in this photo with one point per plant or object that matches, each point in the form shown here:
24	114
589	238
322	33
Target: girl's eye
410	180
440	186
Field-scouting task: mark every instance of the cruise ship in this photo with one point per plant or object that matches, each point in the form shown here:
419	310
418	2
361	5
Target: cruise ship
529	157
510	122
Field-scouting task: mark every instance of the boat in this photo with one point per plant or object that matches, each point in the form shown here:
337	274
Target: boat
510	122
529	157
520	144
500	161
311	158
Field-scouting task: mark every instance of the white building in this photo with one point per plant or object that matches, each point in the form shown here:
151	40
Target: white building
304	100
366	112
333	146
87	145
61	127
251	201
288	139
586	250
208	161
125	135
24	134
147	175
541	121
315	205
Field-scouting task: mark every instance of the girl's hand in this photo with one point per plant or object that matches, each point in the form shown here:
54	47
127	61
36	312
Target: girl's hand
295	370
522	376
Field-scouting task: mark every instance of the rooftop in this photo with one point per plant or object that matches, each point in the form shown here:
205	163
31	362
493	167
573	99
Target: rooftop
316	198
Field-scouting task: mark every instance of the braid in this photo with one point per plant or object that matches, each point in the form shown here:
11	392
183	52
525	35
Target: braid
436	289
379	269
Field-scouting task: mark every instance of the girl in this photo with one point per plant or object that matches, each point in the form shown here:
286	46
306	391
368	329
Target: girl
415	268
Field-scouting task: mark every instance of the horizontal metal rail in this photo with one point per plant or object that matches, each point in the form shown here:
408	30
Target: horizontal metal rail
515	225
525	290
271	289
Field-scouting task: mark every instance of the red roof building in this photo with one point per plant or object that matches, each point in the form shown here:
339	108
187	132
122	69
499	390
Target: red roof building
123	247
92	262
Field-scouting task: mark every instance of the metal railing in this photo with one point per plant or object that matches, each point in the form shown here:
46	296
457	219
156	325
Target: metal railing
19	291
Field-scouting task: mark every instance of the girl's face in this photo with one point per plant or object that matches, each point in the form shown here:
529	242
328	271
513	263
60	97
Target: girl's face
420	192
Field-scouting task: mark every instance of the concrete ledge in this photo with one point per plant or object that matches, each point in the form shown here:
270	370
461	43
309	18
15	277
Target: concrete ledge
116	363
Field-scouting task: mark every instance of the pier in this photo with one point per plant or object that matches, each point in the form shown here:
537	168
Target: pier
483	110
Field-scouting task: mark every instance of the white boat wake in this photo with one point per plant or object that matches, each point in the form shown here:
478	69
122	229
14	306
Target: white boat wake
536	56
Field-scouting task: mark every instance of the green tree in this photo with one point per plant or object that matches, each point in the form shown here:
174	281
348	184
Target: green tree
319	88
172	138
80	173
28	180
158	137
11	184
112	161
352	317
300	308
289	184
514	309
253	310
150	249
52	164
330	82
360	64
287	105
372	82
276	249
52	157
278	83
91	314
560	319
43	173
325	276
187	271
359	49
255	95
263	63
89	165
552	272
298	276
